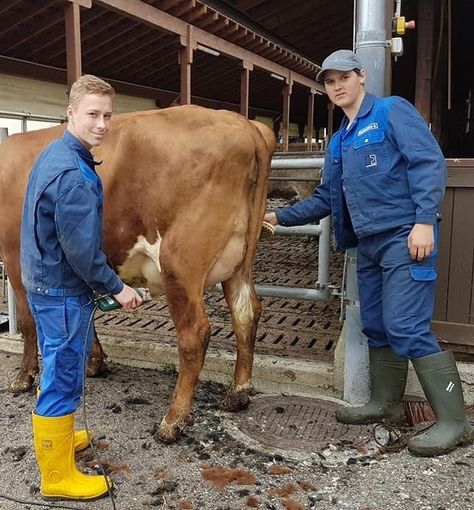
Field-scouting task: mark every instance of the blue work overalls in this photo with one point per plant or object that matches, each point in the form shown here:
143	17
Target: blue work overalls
383	174
62	263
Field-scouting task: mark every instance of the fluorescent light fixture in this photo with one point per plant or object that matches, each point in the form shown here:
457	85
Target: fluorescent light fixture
277	76
205	49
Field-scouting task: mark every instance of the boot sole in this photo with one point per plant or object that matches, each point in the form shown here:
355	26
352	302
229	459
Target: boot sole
434	452
61	497
394	422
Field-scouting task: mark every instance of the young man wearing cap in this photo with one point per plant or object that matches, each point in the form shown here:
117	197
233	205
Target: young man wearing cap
383	182
62	262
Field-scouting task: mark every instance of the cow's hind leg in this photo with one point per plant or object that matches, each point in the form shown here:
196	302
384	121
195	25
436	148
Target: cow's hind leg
29	364
245	309
193	332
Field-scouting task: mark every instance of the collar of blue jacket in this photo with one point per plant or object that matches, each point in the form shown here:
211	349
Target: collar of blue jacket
73	143
364	110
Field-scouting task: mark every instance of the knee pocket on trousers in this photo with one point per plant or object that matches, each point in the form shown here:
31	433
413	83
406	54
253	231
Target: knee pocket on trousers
414	294
67	368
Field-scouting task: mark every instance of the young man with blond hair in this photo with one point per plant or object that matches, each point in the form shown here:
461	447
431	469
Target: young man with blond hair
62	263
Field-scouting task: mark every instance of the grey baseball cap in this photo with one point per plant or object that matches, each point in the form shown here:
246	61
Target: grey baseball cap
340	60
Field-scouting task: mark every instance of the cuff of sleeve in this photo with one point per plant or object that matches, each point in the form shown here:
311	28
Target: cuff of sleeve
280	217
426	218
117	287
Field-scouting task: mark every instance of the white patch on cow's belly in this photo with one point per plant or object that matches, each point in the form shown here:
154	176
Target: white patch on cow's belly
142	266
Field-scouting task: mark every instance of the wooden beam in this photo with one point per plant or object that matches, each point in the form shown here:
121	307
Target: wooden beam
40	49
244	88
73	42
82	3
117	64
287	89
330	119
9	5
310	121
245	5
114	43
424	58
186	60
58	18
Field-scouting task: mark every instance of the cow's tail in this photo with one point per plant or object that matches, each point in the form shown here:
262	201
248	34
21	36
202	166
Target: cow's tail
264	147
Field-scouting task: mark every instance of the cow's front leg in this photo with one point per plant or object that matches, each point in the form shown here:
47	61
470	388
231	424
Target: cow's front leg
193	332
96	365
245	310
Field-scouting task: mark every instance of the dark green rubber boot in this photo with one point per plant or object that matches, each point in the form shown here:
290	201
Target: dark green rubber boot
439	378
388	376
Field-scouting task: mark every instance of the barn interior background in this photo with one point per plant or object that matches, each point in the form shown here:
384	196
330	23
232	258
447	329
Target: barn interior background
258	57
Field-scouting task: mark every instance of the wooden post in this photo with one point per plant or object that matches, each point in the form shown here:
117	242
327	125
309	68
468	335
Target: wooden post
330	119
244	88
310	121
72	19
287	89
424	60
186	60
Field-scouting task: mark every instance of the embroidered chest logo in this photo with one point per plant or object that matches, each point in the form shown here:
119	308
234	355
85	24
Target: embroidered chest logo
369	127
370	160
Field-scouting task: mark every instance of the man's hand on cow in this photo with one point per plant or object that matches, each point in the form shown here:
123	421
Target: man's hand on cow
421	241
128	298
271	218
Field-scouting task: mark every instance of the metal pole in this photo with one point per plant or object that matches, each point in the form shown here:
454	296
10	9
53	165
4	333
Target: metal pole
297	163
12	322
371	48
323	253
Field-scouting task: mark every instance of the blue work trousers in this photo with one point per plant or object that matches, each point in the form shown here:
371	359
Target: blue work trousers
64	329
397	294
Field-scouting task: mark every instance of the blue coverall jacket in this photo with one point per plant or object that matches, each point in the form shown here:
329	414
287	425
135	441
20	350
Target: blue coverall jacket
382	174
61	229
385	171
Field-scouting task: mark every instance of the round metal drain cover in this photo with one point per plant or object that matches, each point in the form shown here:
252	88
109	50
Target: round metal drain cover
297	423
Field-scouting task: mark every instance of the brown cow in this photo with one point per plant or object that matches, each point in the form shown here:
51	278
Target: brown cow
185	191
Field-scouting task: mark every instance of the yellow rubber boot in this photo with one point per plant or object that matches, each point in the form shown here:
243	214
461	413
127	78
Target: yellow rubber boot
81	438
54	449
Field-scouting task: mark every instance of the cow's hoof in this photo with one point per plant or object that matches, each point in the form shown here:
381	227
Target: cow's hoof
22	383
97	367
237	399
169	433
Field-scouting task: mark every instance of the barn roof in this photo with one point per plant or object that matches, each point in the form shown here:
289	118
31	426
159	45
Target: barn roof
144	58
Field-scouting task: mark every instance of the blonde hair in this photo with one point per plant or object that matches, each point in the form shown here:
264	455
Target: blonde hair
89	84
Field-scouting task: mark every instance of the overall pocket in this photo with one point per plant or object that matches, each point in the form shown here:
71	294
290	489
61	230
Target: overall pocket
371	152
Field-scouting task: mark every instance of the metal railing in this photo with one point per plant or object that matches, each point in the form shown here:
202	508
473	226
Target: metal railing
322	288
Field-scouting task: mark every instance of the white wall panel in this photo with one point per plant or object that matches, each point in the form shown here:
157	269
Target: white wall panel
18	94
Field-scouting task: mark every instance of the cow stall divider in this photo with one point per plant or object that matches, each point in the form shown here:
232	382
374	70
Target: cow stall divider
323	289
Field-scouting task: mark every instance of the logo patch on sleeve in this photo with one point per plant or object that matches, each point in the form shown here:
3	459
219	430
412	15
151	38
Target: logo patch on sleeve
370	160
